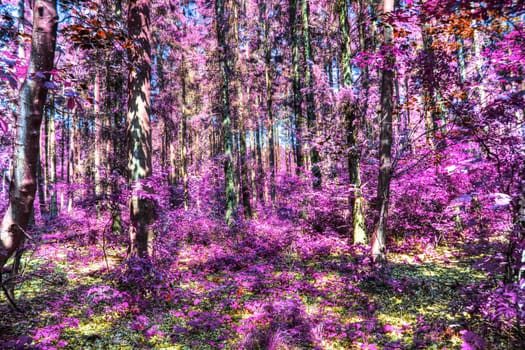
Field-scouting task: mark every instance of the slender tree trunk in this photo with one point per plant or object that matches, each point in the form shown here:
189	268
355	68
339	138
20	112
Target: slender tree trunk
114	82
184	134
351	116
40	185
245	183
21	20
63	145
31	105
429	100
225	69
71	172
363	46
477	43
385	141
296	87
85	155
460	53
267	48
64	156
159	60
45	165
53	208
97	120
243	178
309	95
260	166
142	210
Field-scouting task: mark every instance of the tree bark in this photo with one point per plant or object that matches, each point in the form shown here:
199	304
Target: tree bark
267	48
351	115
309	96
98	161
21	20
142	211
33	95
184	134
260	179
53	207
241	109
225	69
296	87
385	141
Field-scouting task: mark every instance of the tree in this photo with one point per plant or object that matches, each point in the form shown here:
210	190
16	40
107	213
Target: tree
32	99
142	210
309	96
268	91
297	137
241	120
351	116
225	70
385	138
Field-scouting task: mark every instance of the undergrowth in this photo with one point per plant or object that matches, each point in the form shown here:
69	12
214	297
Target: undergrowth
268	285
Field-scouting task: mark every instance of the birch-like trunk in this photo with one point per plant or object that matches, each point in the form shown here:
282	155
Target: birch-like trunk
33	95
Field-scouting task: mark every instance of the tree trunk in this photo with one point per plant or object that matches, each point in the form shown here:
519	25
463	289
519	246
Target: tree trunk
296	88
429	91
114	82
385	141
225	69
184	135
245	184
98	135
25	154
309	96
142	211
53	208
21	20
72	160
259	176
243	179
267	47
351	115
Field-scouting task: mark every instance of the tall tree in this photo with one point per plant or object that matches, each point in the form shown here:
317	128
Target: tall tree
142	210
52	158
385	138
221	28
267	48
241	118
297	136
33	96
351	115
309	95
184	130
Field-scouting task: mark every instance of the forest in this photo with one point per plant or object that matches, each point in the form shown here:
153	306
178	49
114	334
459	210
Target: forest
251	174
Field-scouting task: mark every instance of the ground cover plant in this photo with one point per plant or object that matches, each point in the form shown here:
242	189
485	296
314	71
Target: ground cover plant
273	285
246	174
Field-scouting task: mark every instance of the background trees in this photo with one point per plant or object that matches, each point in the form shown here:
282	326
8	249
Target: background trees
267	101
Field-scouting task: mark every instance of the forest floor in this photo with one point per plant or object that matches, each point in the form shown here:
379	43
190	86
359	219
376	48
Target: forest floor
274	286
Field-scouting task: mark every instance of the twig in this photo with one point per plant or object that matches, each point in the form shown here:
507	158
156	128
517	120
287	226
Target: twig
9	299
